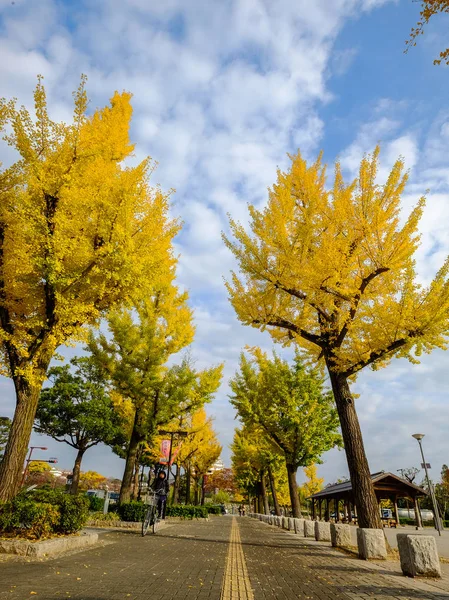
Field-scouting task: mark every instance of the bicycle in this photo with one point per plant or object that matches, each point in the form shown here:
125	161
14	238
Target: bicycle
151	519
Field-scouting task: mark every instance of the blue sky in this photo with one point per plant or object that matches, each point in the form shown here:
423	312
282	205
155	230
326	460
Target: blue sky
223	90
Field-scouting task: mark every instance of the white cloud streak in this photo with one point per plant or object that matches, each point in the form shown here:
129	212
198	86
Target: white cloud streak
222	91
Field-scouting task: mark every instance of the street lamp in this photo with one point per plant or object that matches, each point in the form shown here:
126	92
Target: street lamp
419	437
28	461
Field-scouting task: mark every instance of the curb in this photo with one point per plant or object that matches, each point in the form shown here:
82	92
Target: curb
46	548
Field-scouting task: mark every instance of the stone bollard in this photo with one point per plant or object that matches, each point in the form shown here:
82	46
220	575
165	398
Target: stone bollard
291	524
309	528
419	555
278	521
284	522
371	543
299	526
322	531
340	535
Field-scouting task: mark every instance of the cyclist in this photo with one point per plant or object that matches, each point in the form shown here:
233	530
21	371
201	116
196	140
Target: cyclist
161	487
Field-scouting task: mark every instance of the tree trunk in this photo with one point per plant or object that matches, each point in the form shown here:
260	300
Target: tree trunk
293	489
203	490
141	480
125	490
12	464
362	485
188	484
135	492
277	510
77	471
263	491
196	494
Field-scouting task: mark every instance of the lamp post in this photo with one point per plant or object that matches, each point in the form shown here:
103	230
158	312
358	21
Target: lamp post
28	460
419	437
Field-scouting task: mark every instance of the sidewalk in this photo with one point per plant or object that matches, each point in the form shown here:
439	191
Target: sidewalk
223	559
316	570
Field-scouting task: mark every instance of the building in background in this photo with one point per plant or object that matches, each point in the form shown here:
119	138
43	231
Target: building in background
217	466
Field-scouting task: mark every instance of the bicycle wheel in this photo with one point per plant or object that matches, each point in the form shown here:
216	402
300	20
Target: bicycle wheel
148	520
155	523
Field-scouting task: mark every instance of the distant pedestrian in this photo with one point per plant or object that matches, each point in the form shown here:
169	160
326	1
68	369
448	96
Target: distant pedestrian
240	510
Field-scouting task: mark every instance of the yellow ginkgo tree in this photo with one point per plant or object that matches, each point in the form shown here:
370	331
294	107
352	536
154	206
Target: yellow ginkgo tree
429	8
332	270
79	232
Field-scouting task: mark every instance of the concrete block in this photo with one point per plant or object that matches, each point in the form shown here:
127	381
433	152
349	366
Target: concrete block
371	544
284	522
299	526
322	531
278	521
341	535
309	528
52	547
291	524
419	555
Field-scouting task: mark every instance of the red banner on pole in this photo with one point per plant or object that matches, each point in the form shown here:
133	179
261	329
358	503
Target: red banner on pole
165	451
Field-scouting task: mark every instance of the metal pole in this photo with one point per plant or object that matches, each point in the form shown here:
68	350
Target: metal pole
169	458
27	462
432	494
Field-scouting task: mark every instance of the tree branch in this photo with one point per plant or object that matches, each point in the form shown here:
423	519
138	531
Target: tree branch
375	355
303	296
284	324
356	301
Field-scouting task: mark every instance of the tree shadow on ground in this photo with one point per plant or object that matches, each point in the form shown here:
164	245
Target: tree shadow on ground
369	591
355	569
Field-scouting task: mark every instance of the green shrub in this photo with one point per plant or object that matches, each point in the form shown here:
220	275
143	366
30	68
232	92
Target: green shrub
73	510
213	509
108	517
24	517
187	512
413	523
95	503
132	511
74	513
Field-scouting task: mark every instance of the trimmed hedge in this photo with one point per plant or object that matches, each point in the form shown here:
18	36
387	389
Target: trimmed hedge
43	513
213	509
187	512
132	511
100	516
135	511
95	504
412	522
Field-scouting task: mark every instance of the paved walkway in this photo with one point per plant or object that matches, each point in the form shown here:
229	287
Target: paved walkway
223	559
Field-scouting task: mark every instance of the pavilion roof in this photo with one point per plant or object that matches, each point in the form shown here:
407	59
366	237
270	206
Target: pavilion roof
383	481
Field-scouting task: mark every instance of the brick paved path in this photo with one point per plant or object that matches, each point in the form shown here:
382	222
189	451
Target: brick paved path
223	559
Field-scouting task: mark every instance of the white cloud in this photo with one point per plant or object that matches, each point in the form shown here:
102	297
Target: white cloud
222	91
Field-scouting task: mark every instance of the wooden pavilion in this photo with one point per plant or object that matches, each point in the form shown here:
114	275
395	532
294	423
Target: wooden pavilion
386	487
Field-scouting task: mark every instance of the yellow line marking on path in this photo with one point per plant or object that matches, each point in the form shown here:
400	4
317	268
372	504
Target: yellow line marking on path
236	583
